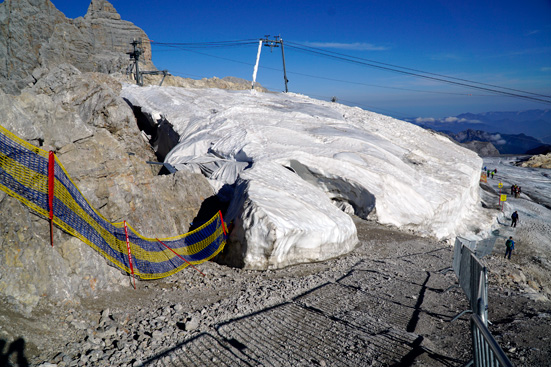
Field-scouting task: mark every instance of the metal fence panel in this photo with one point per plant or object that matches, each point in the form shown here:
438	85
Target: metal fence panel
477	283
485	349
465	272
456	264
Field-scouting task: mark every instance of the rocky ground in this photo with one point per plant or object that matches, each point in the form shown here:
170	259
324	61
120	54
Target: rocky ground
383	304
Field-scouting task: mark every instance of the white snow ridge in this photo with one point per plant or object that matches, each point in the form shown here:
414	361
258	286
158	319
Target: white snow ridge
300	166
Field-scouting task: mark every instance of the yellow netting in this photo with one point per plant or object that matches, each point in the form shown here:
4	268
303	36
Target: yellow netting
24	175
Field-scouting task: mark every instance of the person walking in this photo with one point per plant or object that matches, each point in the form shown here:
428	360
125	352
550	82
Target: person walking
509	247
514	219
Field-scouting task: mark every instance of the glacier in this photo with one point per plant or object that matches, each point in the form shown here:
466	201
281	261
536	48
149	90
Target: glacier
293	169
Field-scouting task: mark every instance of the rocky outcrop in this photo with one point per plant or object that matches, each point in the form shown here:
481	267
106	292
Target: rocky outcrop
81	117
482	148
538	161
34	35
230	83
60	83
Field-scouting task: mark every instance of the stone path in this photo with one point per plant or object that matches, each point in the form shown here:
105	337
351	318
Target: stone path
384	311
384	304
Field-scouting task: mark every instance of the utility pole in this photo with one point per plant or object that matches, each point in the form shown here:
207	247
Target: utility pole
135	55
138	74
271	43
283	58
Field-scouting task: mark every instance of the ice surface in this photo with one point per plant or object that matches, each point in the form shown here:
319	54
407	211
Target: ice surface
299	159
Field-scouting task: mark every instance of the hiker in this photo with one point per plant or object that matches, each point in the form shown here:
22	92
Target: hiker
514	218
492	173
519	190
509	247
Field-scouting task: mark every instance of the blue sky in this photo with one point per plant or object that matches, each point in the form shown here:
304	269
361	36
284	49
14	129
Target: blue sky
503	43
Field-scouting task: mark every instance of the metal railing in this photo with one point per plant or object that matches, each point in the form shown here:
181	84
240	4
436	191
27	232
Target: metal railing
473	279
485	348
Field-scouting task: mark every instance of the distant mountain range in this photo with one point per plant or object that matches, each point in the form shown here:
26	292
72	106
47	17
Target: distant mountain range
515	132
504	143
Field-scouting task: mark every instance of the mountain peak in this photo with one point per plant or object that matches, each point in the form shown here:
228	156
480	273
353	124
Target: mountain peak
102	9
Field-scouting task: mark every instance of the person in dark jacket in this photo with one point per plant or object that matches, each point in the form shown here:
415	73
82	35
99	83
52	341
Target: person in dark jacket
509	247
514	218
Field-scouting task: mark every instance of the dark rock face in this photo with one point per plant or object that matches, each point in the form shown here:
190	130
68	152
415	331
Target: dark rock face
482	148
34	36
504	143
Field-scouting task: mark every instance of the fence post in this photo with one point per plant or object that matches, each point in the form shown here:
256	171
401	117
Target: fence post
51	182
129	254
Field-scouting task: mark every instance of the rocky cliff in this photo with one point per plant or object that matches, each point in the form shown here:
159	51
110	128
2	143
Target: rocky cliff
482	148
35	36
55	92
81	117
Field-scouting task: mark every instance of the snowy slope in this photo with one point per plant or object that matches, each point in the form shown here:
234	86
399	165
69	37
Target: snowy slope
363	162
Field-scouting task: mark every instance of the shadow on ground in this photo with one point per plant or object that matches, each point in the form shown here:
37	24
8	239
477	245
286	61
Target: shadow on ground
357	320
13	354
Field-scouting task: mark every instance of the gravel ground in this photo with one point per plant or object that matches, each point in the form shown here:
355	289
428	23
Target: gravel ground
385	304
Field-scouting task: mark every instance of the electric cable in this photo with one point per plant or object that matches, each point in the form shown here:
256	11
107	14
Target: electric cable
182	48
346	59
420	71
187	46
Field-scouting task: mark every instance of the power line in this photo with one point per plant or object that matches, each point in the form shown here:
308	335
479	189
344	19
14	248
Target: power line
392	69
387	87
187	46
419	71
207	44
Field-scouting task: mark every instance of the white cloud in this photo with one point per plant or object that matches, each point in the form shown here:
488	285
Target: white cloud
359	46
425	119
496	139
453	119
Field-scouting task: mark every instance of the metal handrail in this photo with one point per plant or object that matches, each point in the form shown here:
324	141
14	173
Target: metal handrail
486	350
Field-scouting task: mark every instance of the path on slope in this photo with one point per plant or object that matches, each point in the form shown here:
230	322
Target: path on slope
386	308
383	304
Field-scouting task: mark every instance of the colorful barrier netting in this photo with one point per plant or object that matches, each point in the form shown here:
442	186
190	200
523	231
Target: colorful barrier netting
36	178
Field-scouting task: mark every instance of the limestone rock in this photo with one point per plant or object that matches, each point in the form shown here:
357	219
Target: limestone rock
81	117
483	148
538	161
230	83
34	34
